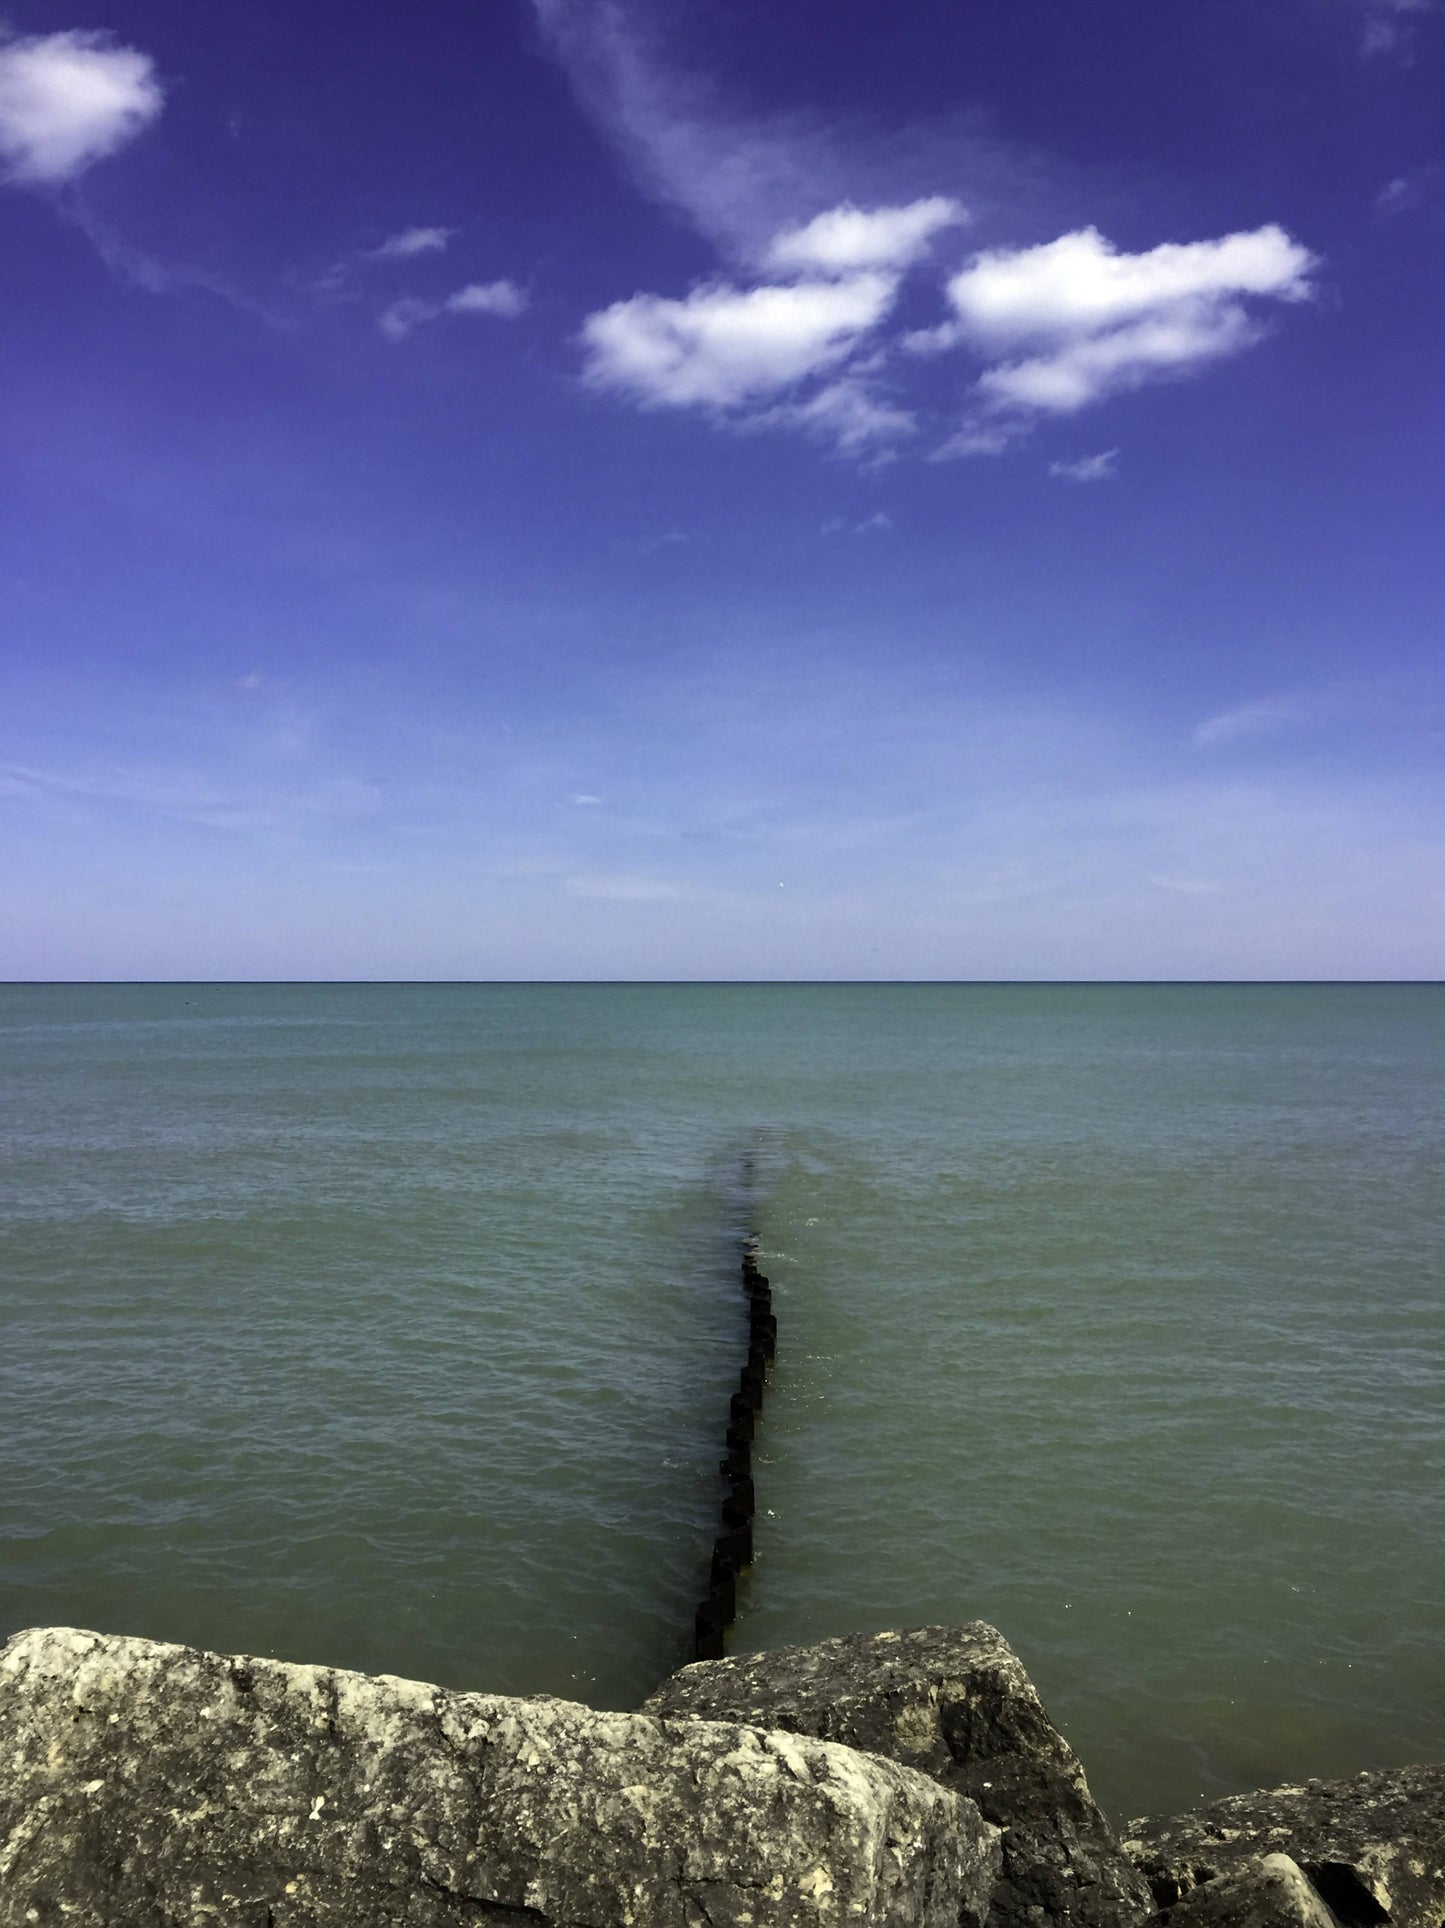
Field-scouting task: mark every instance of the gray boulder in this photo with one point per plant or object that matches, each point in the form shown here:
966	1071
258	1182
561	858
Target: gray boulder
1373	1847
955	1703
146	1786
1269	1892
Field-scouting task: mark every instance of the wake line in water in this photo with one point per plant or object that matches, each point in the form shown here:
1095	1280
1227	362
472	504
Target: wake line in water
733	1549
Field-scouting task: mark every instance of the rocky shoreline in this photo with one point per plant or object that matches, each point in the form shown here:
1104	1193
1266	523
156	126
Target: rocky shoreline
907	1780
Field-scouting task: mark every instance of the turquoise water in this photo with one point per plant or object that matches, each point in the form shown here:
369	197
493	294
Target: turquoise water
392	1326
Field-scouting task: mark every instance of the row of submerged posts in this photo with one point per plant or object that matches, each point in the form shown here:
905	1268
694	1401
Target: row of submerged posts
733	1548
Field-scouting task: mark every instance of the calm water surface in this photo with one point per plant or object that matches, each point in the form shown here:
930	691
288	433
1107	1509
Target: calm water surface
392	1326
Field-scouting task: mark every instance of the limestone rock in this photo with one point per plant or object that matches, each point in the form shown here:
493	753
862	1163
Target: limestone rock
1373	1847
955	1703
1269	1892
150	1786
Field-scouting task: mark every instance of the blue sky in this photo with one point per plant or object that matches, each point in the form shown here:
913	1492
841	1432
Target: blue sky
596	488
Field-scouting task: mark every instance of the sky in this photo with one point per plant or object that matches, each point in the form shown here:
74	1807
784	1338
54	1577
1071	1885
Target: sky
585	489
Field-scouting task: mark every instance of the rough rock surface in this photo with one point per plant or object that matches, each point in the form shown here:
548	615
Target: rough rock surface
955	1703
1373	1847
1270	1892
144	1785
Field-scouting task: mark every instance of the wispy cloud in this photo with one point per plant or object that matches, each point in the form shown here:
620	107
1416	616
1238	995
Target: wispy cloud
139	268
502	299
185	797
1389	28
849	415
869	525
739	178
67	100
1407	191
1264	717
411	242
668	539
1088	468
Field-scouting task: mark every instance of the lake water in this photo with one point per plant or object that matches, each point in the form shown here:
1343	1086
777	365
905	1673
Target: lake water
392	1326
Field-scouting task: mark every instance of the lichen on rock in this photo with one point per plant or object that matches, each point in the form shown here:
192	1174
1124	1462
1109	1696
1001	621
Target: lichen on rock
149	1784
1373	1847
956	1704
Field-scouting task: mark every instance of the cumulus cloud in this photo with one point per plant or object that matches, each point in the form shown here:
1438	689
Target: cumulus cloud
721	347
1057	326
1088	468
411	242
845	239
503	299
68	100
794	337
1071	321
1081	286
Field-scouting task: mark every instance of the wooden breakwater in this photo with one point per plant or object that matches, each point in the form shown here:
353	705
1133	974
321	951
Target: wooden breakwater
733	1549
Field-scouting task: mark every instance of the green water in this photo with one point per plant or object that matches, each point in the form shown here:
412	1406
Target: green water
392	1326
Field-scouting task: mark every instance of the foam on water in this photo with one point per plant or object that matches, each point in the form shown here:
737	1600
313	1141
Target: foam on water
390	1326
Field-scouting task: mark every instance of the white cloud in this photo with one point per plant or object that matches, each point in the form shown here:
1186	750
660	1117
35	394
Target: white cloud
410	242
845	239
500	298
69	99
1100	321
722	347
1081	286
1052	327
1088	468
